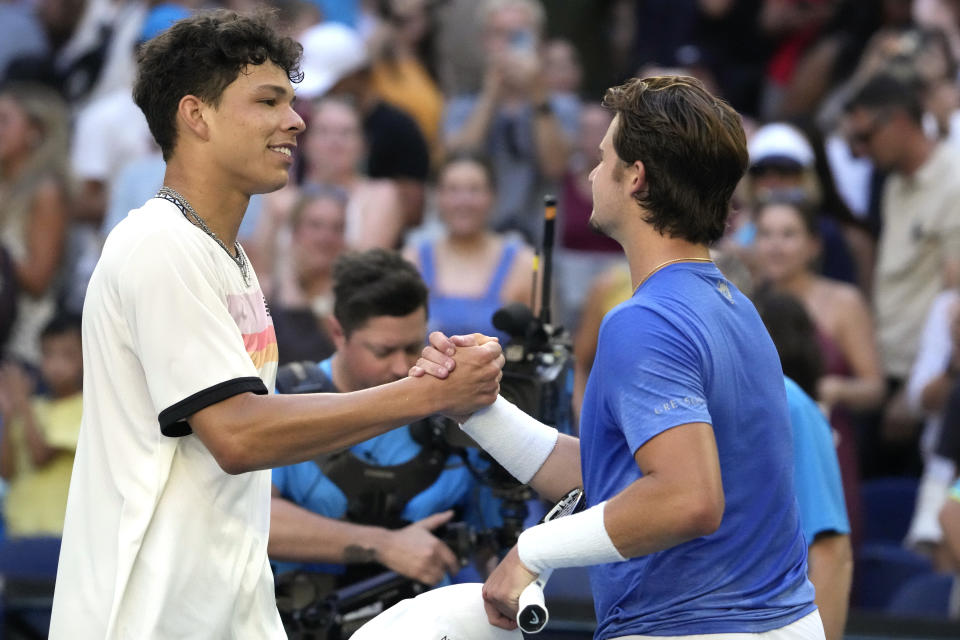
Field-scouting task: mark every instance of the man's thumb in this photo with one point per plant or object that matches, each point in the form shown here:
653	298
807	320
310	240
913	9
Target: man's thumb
436	520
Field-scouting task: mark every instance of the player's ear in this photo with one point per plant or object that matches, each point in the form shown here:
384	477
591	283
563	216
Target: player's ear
636	177
191	112
335	329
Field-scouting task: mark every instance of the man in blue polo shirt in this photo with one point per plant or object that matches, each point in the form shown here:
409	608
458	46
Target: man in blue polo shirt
373	506
685	448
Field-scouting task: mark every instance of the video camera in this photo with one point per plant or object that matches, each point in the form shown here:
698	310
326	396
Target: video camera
538	374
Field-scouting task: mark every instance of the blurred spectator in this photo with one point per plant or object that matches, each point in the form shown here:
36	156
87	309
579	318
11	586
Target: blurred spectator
562	72
794	25
21	33
470	271
783	160
40	433
99	148
335	61
582	253
828	62
402	69
919	248
514	120
787	248
34	214
736	50
851	378
99	151
302	290
91	47
333	150
932	379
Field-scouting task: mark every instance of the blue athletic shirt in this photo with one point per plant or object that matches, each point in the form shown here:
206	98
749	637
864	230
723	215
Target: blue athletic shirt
689	347
816	469
307	486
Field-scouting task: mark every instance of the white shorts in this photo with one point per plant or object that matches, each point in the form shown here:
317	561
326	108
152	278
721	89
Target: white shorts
809	627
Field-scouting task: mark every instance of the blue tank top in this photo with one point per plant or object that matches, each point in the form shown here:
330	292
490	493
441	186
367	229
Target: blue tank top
458	315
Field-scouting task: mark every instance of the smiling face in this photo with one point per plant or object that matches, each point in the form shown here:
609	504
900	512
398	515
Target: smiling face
464	198
785	246
253	130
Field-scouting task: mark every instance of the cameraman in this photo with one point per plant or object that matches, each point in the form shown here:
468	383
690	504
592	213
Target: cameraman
354	507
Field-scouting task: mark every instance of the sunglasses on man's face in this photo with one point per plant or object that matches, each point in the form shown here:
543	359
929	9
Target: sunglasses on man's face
865	136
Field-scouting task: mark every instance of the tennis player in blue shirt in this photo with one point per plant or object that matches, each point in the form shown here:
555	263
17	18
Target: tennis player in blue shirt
685	449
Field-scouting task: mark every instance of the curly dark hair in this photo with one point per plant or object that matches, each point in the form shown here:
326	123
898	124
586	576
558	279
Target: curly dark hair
372	283
692	147
201	55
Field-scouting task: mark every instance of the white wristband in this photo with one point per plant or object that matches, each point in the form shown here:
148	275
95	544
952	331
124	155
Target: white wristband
518	442
573	541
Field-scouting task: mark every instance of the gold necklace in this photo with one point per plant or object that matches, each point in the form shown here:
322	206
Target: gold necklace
668	262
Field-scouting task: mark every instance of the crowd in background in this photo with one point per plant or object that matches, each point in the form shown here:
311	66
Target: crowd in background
435	128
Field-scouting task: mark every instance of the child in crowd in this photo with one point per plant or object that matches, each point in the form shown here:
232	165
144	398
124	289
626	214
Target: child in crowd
39	435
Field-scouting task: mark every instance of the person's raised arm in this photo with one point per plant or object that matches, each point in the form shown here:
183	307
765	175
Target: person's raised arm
471	132
46	239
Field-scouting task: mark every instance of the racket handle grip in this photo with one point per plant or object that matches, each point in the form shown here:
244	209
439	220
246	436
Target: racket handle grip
532	614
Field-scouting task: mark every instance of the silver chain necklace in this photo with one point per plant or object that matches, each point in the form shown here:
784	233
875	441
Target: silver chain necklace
190	214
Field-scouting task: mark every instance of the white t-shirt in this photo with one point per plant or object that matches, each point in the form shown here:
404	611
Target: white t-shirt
101	147
159	542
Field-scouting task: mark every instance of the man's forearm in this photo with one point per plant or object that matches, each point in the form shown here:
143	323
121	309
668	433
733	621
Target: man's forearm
249	432
530	451
300	535
551	144
560	472
830	563
474	132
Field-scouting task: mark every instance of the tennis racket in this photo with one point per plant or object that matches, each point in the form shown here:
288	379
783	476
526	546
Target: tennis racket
532	615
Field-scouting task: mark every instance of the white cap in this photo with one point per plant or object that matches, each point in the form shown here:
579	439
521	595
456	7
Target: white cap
452	613
331	51
780	142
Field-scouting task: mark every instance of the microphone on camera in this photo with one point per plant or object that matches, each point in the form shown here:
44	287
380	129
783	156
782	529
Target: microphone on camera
514	319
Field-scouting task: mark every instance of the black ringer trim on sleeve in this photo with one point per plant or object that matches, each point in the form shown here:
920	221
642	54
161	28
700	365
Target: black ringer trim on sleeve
173	421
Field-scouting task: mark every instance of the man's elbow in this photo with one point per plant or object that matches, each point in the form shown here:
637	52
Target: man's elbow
234	459
230	451
704	515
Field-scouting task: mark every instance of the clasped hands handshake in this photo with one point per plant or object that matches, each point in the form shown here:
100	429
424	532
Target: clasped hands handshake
465	369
